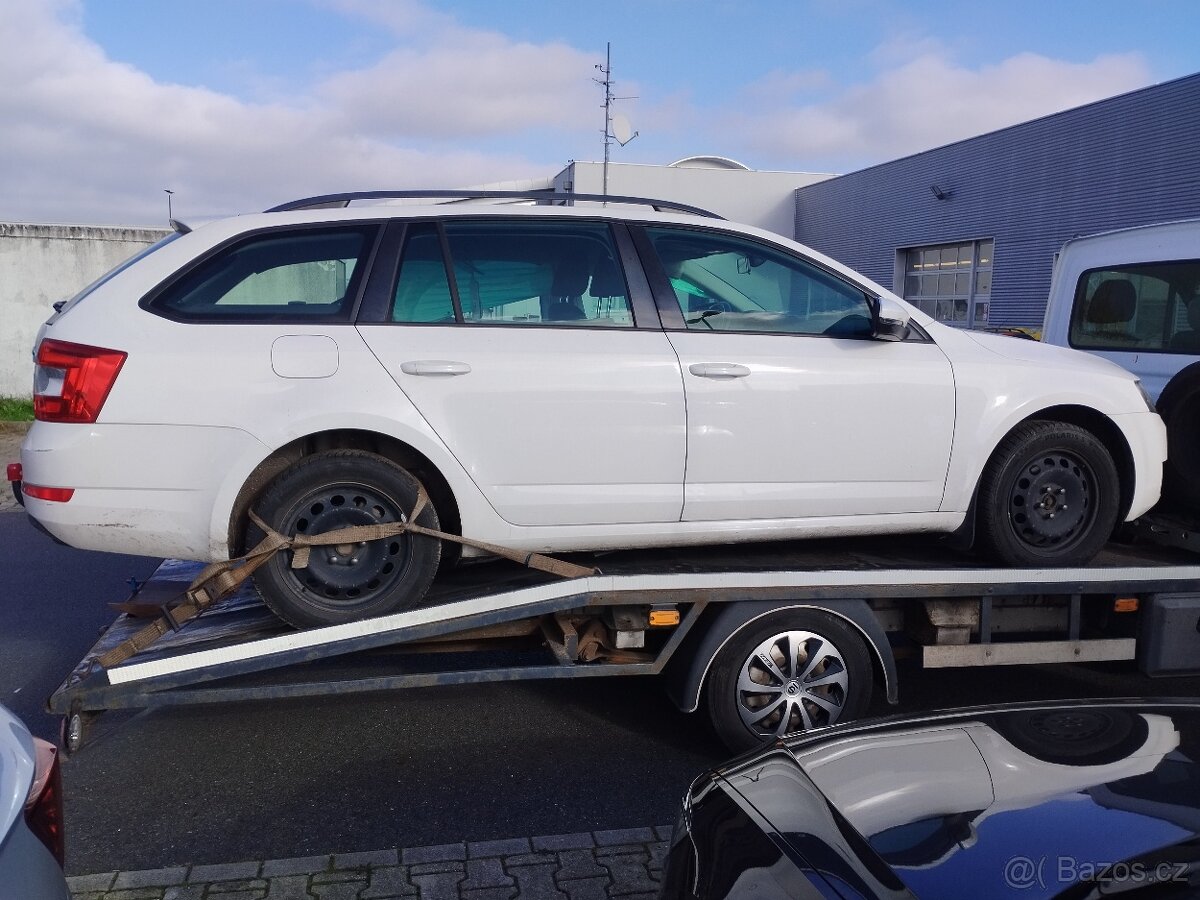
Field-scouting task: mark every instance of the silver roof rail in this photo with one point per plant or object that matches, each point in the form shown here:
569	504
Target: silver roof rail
329	201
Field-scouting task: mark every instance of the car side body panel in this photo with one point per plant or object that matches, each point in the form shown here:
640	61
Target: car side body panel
1002	381
556	426
819	426
198	406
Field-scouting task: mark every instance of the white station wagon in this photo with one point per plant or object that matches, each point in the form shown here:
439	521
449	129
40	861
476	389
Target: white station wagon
558	378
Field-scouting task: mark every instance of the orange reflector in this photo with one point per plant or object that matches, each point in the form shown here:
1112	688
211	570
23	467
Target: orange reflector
664	617
1125	604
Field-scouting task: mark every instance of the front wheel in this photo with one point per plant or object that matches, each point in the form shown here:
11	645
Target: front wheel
790	671
1050	496
343	583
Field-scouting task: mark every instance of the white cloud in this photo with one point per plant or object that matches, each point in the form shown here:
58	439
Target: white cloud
445	80
468	84
89	139
403	18
922	103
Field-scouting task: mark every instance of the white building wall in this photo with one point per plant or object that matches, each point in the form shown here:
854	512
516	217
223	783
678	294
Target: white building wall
764	199
40	264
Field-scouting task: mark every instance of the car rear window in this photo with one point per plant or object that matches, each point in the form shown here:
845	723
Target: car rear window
297	274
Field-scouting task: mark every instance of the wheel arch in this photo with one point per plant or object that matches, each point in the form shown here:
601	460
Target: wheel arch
689	667
1090	420
391	448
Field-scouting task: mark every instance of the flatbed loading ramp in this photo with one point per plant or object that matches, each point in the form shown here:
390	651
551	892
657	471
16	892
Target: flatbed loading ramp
832	616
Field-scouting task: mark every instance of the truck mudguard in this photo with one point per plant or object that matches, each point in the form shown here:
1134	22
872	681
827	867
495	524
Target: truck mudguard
689	666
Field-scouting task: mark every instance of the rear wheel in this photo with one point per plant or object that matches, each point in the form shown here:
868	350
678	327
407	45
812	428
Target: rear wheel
790	671
343	583
1049	496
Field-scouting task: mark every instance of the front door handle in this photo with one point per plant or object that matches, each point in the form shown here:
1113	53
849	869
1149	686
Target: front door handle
434	367
718	370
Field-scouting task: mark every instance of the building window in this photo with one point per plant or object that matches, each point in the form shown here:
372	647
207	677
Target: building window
951	282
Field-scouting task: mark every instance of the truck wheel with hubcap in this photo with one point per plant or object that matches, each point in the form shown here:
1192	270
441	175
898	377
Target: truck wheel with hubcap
344	583
789	671
1050	495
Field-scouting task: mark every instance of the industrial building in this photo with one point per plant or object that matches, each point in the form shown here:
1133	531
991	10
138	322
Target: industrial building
968	232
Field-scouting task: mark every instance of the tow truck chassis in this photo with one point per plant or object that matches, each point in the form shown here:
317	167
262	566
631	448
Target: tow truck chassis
649	613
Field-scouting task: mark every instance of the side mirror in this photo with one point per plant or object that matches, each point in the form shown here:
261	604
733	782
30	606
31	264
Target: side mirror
890	321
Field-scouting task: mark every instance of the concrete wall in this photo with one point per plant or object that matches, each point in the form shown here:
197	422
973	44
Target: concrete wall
40	264
764	199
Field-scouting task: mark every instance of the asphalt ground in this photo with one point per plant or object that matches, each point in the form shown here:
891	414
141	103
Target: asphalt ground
217	784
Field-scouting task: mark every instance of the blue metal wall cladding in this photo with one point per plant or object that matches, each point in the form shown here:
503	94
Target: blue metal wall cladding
1129	160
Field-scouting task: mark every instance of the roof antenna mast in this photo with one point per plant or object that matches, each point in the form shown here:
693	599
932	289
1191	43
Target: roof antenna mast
616	128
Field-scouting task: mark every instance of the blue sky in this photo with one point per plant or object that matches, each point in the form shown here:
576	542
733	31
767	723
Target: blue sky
238	105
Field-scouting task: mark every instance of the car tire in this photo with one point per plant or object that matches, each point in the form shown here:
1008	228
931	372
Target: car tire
1075	736
826	678
336	489
1050	496
1179	406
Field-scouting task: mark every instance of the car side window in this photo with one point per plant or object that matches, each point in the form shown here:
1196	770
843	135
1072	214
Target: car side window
423	287
534	273
301	274
726	283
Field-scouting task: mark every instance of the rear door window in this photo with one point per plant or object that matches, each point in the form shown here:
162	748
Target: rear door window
308	274
423	292
535	273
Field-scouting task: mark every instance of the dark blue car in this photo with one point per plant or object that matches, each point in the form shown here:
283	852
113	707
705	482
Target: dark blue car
1052	800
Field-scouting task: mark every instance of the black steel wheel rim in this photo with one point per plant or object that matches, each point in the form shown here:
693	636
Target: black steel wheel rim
1052	501
348	575
1076	726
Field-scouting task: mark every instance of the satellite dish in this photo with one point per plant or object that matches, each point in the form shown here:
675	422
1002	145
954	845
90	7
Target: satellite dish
622	130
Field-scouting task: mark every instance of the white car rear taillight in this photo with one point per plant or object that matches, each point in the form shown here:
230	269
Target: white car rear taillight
72	381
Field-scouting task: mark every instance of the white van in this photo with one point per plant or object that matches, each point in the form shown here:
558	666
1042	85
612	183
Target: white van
1133	296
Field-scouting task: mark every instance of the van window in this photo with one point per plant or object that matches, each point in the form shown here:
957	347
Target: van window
1139	308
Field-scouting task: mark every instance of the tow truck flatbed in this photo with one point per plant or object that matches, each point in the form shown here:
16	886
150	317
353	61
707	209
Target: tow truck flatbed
679	613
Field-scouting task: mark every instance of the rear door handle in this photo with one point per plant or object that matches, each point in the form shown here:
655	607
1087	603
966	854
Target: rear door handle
718	370
434	367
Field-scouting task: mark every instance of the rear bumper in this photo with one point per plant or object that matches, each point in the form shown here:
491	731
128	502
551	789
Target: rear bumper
147	490
1147	438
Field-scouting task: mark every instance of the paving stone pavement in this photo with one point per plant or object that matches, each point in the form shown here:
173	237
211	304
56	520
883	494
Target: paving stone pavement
624	864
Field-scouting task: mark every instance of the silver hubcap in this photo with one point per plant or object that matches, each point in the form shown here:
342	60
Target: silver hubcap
793	681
